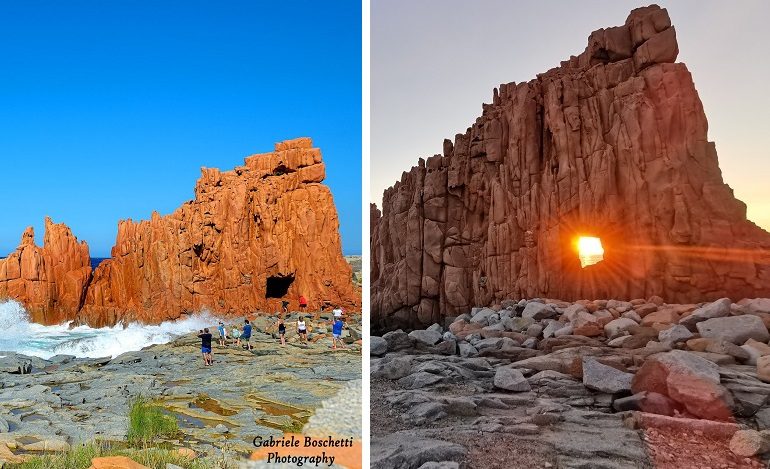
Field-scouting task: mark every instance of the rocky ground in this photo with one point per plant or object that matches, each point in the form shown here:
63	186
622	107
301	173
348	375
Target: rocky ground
355	264
591	384
54	404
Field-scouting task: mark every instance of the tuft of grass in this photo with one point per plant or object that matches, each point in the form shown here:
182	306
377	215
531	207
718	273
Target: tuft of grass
147	422
76	458
154	458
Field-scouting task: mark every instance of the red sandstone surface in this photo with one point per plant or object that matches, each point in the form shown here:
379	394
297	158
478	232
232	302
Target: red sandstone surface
264	232
612	143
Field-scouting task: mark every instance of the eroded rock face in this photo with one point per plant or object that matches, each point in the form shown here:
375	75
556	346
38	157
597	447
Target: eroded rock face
613	143
51	280
264	232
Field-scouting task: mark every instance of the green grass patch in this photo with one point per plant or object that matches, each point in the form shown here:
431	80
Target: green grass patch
80	458
147	422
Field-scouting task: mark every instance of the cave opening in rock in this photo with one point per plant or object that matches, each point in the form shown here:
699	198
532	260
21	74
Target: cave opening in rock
278	286
590	250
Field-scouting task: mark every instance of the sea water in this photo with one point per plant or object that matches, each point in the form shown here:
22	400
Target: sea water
19	334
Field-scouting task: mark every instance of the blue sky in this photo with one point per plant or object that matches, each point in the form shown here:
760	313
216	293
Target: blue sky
109	109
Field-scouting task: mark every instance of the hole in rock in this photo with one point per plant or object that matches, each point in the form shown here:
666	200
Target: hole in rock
282	169
590	250
277	287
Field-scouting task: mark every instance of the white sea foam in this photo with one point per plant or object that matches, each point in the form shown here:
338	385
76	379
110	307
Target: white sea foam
19	334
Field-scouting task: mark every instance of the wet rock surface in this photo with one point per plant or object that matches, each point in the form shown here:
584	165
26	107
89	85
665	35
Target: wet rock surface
263	392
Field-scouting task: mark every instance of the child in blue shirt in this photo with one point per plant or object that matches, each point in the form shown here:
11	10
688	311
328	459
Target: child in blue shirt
337	333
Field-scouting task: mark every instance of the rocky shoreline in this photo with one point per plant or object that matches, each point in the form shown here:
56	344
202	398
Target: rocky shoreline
600	384
56	404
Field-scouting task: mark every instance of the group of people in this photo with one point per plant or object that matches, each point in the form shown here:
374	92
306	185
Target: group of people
243	336
205	336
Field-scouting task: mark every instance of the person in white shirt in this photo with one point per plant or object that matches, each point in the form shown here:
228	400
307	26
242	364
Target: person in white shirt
302	329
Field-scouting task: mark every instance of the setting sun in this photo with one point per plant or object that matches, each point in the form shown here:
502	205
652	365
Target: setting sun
590	250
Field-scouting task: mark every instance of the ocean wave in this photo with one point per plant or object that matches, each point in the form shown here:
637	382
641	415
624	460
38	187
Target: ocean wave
19	334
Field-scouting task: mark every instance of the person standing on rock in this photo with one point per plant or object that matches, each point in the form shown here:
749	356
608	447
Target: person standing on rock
237	336
302	329
285	306
282	331
337	333
222	334
246	336
302	303
205	337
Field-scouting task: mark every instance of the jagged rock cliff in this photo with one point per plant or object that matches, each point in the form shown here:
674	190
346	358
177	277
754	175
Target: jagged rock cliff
613	143
252	237
52	280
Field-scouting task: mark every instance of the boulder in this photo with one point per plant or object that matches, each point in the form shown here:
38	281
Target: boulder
467	350
538	311
755	305
378	346
426	337
717	309
586	324
397	340
735	329
674	335
617	326
688	379
755	349
664	316
483	315
600	377
511	379
748	443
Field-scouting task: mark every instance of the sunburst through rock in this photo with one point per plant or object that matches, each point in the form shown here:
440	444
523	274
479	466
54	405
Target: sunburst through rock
590	250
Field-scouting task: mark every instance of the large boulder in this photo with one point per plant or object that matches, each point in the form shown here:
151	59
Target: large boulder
688	379
735	329
378	346
427	337
604	378
717	309
538	311
397	340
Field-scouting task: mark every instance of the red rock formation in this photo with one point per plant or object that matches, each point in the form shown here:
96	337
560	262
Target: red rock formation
265	232
51	281
613	143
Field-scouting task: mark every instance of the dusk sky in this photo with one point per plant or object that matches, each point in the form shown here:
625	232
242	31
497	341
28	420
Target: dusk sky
435	61
110	109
